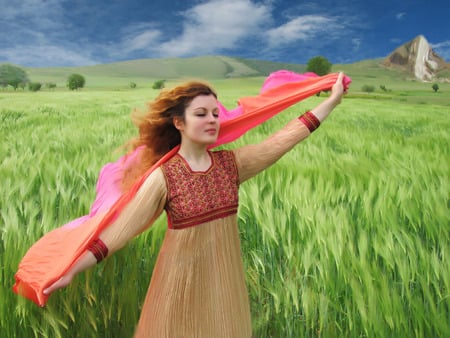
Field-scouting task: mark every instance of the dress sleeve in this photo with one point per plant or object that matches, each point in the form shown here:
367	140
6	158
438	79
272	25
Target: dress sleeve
254	158
139	214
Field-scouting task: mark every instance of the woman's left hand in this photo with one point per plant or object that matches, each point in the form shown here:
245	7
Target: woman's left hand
338	89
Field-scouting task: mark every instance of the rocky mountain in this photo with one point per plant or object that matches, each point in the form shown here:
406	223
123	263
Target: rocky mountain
418	58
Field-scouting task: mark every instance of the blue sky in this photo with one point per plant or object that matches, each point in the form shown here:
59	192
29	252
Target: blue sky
46	33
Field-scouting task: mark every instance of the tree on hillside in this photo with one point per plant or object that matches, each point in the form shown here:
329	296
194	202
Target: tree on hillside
435	87
12	76
319	65
159	84
75	81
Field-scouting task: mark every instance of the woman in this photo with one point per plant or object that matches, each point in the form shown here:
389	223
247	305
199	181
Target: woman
198	285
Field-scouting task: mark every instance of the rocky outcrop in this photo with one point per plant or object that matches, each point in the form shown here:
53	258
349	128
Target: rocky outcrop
418	58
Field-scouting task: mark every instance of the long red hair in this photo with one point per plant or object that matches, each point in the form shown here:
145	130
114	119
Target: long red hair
157	132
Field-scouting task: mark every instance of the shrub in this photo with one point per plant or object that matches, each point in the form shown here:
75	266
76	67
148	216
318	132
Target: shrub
34	86
385	89
435	87
368	88
50	85
75	81
159	84
132	85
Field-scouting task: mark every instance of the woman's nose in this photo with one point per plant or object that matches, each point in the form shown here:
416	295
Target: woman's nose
212	117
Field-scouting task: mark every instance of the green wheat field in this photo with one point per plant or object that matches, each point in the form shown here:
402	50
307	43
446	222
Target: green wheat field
348	235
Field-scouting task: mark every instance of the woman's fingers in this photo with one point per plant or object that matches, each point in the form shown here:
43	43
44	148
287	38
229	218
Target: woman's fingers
338	88
59	284
51	288
340	79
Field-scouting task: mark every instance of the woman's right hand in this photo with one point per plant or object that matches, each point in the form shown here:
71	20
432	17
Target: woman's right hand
85	261
59	284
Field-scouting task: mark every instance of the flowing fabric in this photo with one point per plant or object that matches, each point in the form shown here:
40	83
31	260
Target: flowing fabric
52	256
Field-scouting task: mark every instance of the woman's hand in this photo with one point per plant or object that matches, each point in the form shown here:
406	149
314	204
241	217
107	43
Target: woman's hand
338	89
85	261
325	108
59	284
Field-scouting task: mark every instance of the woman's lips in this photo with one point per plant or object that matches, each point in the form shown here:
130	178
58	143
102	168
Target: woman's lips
211	131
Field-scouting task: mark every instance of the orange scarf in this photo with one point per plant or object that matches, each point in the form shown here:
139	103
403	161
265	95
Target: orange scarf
52	255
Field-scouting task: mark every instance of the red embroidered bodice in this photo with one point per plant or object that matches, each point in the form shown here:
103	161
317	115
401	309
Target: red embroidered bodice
193	197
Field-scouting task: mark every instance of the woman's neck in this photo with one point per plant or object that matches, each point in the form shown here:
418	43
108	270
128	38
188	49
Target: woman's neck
196	156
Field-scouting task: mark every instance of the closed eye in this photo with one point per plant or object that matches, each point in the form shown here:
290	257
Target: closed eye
203	112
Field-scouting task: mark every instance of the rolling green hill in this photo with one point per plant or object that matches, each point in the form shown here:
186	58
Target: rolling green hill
398	84
205	67
209	67
147	70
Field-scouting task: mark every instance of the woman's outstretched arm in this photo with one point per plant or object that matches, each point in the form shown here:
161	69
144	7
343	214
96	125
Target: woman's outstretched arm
145	207
83	263
253	159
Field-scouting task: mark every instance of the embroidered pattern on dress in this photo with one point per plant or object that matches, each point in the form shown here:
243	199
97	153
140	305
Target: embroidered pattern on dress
198	197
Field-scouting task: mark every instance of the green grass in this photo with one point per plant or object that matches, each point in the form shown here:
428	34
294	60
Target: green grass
346	236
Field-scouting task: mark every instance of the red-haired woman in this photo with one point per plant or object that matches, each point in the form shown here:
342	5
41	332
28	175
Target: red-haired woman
198	283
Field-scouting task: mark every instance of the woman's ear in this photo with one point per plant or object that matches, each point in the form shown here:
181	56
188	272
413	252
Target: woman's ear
178	123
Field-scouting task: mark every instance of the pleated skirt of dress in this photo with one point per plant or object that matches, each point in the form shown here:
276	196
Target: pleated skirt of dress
198	285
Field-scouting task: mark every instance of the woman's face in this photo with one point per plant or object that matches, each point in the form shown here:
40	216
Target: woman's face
201	121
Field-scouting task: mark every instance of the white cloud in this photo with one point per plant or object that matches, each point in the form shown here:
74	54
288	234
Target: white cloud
136	37
34	28
68	33
39	55
142	41
33	9
32	14
442	49
216	25
209	27
304	28
356	42
396	40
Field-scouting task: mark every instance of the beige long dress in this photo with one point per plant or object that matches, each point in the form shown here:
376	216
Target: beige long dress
198	287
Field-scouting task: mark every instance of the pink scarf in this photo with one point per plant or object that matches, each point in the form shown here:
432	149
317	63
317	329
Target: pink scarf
52	255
